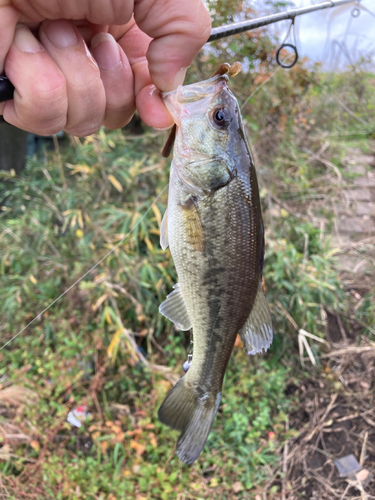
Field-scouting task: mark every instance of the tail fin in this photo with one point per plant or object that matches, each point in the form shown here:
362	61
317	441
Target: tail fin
185	410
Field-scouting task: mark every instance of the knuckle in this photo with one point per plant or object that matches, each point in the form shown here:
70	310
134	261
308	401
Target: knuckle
44	117
49	117
83	129
113	122
49	89
86	111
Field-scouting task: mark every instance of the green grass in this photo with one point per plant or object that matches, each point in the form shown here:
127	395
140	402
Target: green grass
53	230
62	215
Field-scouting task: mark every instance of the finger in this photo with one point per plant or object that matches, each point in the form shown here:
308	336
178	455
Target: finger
85	91
117	78
95	11
151	108
9	18
179	29
40	98
148	100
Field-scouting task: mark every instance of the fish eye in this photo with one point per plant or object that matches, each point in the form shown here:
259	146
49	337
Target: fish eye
220	117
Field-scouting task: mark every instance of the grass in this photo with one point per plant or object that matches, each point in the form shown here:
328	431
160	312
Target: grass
56	227
104	344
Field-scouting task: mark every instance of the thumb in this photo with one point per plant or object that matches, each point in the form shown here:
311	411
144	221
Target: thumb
179	28
8	20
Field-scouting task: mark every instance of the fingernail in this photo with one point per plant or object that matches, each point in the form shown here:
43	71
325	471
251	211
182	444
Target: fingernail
105	51
25	41
164	128
61	34
179	78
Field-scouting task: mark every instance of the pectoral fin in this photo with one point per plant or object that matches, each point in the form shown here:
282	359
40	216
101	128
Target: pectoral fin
256	334
174	308
164	242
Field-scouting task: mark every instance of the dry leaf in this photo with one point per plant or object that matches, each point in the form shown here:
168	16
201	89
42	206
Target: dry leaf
33	280
237	487
35	445
115	183
139	448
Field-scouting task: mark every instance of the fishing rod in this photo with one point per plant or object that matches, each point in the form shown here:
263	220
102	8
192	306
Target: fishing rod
7	88
252	24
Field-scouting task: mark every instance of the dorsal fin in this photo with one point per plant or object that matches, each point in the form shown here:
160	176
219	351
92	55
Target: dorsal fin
170	141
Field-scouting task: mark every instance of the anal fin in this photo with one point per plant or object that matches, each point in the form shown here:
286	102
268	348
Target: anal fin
174	308
256	334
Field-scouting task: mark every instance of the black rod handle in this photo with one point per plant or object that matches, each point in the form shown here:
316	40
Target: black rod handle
6	89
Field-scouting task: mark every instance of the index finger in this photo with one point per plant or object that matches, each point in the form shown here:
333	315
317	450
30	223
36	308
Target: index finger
179	28
8	20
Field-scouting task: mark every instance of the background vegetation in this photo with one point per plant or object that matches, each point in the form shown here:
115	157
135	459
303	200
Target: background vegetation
105	347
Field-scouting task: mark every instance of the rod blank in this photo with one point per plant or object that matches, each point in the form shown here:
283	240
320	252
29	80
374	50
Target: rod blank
252	24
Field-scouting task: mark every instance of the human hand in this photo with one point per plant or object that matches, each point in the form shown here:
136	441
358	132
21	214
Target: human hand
77	65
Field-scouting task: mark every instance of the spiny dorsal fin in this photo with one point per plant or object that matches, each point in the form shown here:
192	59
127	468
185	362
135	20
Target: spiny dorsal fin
256	334
166	151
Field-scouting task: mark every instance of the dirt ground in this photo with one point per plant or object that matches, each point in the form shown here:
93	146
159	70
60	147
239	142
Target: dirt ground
336	411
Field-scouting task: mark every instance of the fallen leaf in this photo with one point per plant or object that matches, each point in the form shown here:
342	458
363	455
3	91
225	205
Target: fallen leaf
237	487
135	432
35	445
365	385
238	342
364	476
115	183
153	441
139	448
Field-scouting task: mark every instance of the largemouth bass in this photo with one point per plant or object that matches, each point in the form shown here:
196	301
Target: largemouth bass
213	226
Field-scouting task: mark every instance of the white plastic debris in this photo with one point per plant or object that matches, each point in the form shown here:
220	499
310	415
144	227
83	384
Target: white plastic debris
78	416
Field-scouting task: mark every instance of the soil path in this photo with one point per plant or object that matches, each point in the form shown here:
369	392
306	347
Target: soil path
355	215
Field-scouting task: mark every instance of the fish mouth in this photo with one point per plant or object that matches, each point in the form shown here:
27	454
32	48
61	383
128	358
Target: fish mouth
195	92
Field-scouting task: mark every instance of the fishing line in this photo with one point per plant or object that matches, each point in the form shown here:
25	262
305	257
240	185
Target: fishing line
264	83
89	271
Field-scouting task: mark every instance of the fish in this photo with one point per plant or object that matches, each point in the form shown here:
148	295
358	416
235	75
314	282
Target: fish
214	229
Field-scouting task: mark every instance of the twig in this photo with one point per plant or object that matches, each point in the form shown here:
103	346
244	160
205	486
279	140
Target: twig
363	452
170	457
59	162
134	348
321	422
350	111
285	462
288	316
